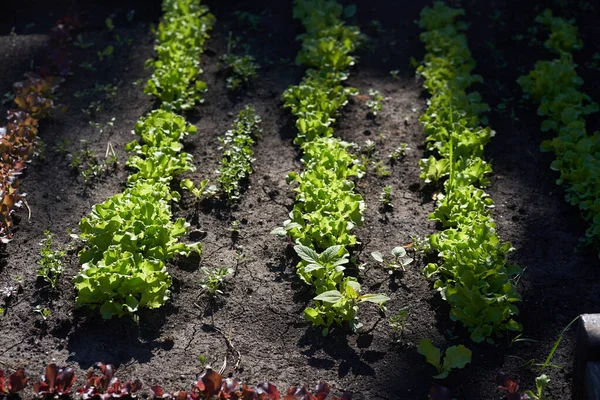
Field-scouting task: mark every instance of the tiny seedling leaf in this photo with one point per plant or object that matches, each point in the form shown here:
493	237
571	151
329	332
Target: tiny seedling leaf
377	256
398	252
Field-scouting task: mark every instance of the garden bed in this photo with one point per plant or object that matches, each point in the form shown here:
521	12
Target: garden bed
260	314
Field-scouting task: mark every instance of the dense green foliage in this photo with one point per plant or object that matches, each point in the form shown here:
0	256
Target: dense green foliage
326	208
555	86
236	164
473	275
180	41
130	237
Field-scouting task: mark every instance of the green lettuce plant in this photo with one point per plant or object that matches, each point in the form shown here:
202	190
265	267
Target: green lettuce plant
327	208
473	275
555	86
180	39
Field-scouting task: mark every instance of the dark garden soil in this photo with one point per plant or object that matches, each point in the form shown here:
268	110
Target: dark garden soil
260	316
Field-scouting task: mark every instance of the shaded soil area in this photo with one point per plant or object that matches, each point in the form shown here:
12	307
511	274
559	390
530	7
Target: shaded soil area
261	312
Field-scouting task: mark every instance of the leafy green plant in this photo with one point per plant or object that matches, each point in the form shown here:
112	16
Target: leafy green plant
241	70
399	261
369	148
106	54
236	228
43	312
51	266
382	170
386	197
62	147
180	42
90	166
214	280
399	153
326	208
555	85
455	357
337	297
375	102
236	164
129	238
398	323
197	191
473	275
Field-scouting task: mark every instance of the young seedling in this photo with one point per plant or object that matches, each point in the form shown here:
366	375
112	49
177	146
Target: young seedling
386	197
326	272
456	357
375	102
189	185
398	323
399	262
511	387
215	279
81	43
241	69
399	154
51	266
44	312
62	147
382	170
236	227
369	149
106	53
395	73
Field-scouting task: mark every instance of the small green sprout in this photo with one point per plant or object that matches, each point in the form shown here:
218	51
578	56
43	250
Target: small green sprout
399	153
386	197
399	262
398	323
374	103
214	280
382	170
43	312
51	266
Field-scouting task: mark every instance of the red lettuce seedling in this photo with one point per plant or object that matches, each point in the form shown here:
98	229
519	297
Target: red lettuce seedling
510	386
57	382
211	383
16	382
107	386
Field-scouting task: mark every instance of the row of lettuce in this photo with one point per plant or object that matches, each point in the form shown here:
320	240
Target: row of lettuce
33	98
131	236
473	275
327	208
101	383
555	86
